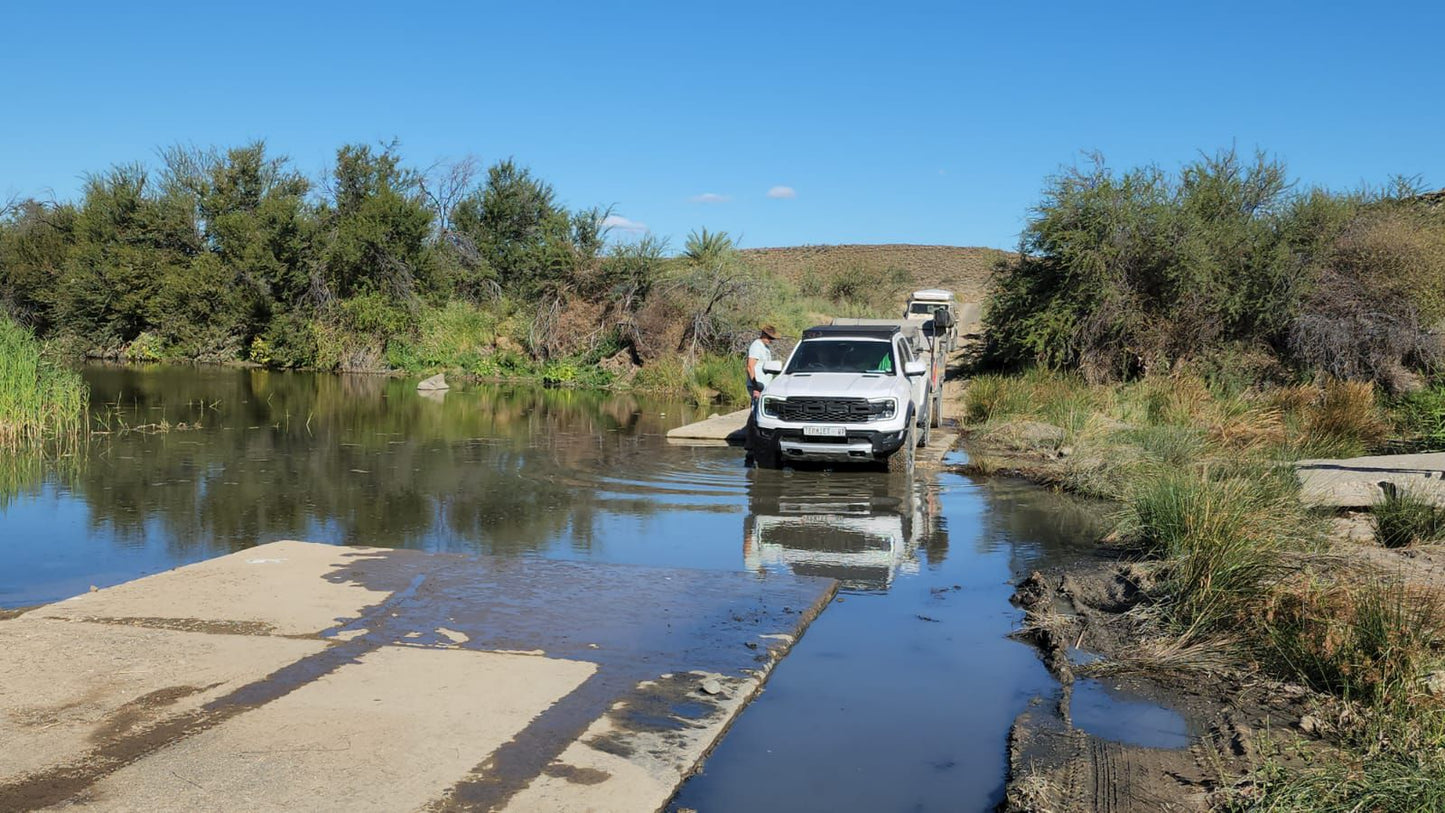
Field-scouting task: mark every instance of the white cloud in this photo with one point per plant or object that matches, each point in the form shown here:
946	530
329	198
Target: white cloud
782	192
710	197
621	223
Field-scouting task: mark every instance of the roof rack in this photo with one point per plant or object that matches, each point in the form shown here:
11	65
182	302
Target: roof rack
870	331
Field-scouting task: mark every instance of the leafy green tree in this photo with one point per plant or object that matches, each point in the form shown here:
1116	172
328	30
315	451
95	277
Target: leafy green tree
35	238
1122	274
376	228
126	240
521	236
253	221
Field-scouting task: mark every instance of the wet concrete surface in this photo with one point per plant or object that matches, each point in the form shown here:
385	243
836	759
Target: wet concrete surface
478	673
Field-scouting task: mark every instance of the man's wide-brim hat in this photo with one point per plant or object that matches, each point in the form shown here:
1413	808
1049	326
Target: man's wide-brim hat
769	331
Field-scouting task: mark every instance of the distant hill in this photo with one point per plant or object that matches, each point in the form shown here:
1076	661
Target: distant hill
965	271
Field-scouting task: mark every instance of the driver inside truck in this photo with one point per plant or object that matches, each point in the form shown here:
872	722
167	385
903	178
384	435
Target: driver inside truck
883	364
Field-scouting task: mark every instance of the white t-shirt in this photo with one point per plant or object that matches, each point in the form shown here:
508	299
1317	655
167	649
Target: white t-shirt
759	350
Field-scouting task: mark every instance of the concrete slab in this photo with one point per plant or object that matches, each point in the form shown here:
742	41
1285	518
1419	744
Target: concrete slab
295	675
717	430
1355	482
391	731
284	588
66	687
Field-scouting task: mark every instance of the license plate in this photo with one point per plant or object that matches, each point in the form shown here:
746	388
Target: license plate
825	431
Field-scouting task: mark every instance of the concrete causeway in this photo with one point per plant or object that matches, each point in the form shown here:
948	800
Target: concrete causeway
715	430
1355	482
301	676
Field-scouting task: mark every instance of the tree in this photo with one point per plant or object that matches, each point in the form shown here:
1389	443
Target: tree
126	240
35	238
377	228
520	234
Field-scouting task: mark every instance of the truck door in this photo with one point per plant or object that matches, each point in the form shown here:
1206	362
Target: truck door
918	385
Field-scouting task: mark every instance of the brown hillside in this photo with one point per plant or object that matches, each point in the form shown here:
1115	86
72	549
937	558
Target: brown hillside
964	271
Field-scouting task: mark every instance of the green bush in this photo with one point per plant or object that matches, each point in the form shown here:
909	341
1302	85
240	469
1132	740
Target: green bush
146	347
1419	417
1125	274
1404	518
1219	538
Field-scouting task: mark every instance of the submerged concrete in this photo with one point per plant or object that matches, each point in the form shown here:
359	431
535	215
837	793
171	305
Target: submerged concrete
1360	482
715	430
303	676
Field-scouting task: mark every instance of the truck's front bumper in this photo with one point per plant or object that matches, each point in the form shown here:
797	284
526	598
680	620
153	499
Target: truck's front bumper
859	445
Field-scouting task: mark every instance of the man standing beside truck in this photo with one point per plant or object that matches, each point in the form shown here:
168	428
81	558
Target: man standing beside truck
760	353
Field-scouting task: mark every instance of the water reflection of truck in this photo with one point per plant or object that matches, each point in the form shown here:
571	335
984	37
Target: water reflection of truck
857	529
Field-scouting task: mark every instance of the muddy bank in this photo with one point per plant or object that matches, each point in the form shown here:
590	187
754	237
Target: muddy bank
1136	725
1099	743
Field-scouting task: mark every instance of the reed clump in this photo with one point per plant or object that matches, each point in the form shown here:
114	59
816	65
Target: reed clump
1405	518
1216	539
39	400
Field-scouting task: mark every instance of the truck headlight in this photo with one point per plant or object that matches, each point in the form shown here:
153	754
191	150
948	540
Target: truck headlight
771	406
884	409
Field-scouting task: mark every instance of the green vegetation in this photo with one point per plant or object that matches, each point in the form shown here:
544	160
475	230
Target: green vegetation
1403	518
1173	343
1225	556
1222	267
235	255
39	400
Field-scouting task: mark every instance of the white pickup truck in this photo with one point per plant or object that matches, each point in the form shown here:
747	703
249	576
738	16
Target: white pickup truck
924	305
852	393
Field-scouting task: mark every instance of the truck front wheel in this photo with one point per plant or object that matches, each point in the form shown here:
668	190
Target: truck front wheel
901	461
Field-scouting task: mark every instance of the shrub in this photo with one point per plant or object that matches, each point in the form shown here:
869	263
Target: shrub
1344	419
724	375
1126	274
1404	518
1362	638
990	397
1218	539
289	341
146	347
455	335
1420	417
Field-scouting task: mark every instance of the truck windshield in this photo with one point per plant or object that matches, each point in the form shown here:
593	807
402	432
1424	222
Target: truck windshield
842	356
925	308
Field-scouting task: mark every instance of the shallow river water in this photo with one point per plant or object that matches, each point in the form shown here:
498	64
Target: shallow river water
899	697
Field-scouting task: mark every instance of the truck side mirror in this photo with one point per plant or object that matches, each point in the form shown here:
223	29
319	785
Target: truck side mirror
912	368
943	318
772	367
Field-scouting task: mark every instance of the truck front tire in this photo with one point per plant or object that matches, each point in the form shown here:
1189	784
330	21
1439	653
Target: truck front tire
901	461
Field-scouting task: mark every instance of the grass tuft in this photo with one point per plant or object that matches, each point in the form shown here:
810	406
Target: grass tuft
1219	541
1404	518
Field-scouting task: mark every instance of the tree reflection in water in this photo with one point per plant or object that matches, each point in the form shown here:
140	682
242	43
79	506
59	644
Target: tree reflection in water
346	458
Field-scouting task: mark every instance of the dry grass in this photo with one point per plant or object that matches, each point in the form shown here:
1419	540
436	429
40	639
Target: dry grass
1360	636
965	271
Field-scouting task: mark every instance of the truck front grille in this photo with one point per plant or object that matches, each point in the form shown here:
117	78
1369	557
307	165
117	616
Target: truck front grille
829	410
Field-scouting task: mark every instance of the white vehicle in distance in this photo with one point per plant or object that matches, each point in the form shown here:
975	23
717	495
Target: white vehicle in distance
923	305
847	394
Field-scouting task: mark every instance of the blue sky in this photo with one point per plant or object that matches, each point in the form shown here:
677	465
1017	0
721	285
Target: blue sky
868	122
